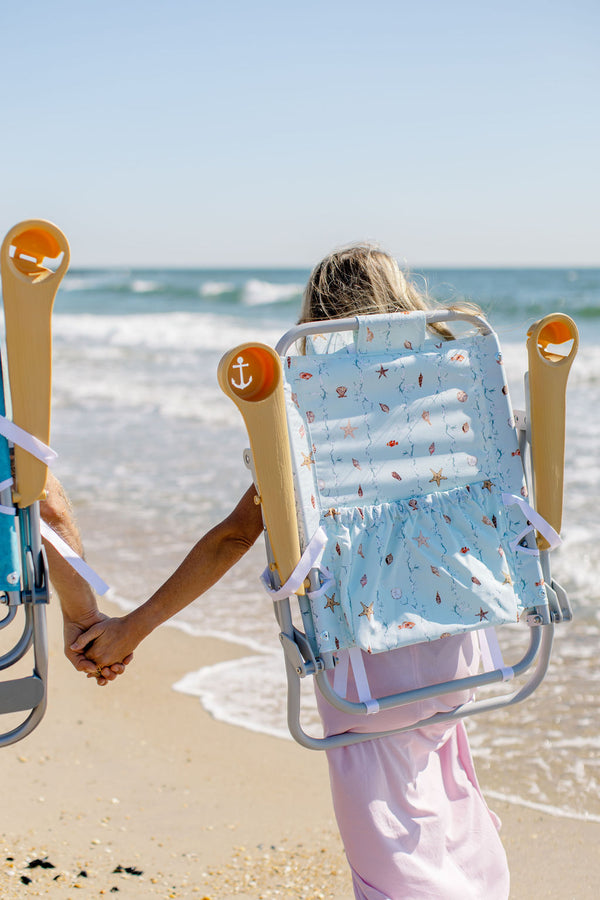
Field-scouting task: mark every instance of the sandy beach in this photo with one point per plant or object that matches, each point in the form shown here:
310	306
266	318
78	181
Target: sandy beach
134	790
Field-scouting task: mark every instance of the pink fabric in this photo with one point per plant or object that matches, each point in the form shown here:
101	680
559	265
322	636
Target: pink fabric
410	811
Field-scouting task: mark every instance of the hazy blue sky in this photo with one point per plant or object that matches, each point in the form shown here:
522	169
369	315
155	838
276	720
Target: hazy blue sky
215	133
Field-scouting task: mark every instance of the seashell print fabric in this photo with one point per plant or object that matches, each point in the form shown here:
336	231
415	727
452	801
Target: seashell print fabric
402	444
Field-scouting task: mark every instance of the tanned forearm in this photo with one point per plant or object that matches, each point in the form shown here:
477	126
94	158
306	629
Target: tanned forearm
77	599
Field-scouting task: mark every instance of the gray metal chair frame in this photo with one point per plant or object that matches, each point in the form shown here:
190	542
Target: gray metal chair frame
301	659
27	694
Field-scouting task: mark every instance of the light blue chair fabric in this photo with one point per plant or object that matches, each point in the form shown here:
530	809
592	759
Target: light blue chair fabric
403	445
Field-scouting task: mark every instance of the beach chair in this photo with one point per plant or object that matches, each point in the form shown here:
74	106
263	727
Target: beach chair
395	485
34	258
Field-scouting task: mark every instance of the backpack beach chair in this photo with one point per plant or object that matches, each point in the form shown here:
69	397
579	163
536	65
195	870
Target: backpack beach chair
391	473
29	288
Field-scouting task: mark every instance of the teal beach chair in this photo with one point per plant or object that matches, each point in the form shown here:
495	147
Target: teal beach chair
29	289
391	472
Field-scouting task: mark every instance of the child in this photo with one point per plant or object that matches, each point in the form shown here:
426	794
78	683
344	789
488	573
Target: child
409	809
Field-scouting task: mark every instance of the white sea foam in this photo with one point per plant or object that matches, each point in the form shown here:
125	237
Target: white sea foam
215	288
144	286
166	362
177	331
247	692
557	811
257	293
251	697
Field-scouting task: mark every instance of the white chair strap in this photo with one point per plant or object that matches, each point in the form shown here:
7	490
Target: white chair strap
27	441
308	561
491	654
352	658
7	510
77	563
538	522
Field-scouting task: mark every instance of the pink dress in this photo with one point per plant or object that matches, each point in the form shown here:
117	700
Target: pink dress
410	811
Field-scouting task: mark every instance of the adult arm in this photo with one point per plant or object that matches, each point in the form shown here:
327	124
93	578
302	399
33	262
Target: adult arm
77	600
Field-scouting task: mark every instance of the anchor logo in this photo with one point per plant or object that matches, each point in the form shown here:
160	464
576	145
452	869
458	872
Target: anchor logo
241	365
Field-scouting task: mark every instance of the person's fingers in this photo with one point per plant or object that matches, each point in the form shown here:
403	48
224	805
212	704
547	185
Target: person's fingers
82	664
108	673
87	637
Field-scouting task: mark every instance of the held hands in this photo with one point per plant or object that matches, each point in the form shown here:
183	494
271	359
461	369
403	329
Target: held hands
96	647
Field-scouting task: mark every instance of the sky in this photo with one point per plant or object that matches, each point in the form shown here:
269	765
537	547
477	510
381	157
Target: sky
208	134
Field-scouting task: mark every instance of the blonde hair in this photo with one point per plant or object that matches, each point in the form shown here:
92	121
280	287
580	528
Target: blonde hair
361	280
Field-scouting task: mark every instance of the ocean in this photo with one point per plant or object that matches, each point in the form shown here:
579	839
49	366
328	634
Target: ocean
150	451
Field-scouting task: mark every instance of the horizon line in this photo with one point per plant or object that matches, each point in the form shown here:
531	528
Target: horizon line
239	267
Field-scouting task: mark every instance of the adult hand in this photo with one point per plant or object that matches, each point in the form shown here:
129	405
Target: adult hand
108	639
74	629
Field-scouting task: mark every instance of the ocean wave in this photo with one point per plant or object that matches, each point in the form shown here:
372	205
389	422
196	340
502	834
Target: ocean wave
145	286
96	281
174	286
248	693
216	288
177	331
508	310
259	293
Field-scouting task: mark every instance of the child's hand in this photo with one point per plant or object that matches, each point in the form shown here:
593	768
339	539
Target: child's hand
107	643
72	630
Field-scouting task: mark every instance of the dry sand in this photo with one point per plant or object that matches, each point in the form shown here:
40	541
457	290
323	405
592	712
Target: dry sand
134	791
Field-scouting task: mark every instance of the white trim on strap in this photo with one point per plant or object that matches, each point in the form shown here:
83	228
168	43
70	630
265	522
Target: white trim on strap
69	555
516	546
307	561
328	582
491	654
7	510
353	659
361	681
538	522
27	441
340	673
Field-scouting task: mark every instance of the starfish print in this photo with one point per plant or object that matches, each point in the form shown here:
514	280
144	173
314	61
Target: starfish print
348	430
421	540
507	578
437	477
482	615
308	461
366	610
331	512
488	485
331	602
382	372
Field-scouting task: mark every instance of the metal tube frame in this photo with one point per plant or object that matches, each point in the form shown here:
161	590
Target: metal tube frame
300	651
29	693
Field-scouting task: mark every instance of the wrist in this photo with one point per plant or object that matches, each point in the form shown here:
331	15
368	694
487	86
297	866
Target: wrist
144	619
84	616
